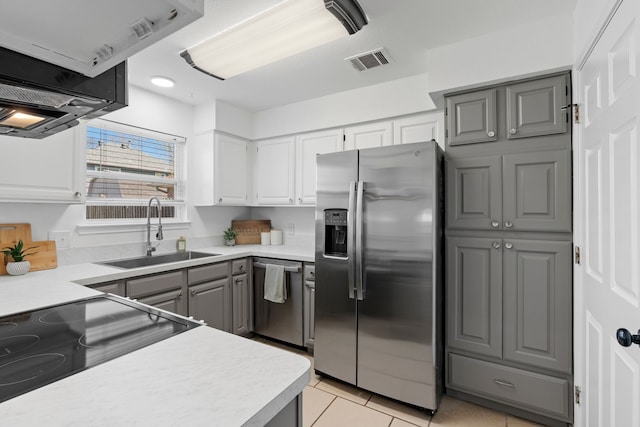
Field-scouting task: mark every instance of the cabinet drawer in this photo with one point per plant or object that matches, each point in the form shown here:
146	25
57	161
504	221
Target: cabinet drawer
309	272
528	390
239	266
116	288
154	284
208	272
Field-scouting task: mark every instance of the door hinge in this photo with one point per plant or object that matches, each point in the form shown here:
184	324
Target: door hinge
578	391
576	255
576	111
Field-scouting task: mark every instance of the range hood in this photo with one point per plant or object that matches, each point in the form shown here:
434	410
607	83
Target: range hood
38	99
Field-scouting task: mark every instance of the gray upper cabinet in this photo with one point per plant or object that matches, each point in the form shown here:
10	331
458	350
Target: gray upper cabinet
516	192
537	191
471	117
474	292
534	107
537	301
474	193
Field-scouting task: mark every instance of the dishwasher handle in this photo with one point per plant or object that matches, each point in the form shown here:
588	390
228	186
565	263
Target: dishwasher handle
287	268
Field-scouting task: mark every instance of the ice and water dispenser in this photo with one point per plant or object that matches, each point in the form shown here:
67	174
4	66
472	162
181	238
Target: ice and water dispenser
335	232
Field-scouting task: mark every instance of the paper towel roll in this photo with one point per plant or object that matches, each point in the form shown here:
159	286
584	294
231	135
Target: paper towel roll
276	237
265	238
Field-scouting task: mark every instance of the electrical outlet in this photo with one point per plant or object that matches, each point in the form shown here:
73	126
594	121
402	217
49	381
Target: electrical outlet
291	229
61	237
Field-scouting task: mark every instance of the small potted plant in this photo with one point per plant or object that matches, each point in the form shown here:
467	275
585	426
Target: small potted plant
230	236
16	265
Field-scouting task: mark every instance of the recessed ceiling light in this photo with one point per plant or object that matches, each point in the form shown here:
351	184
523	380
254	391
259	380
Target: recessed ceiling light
162	81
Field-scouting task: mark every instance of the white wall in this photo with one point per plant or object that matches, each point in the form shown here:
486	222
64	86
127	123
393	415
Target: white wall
506	54
147	110
394	98
588	17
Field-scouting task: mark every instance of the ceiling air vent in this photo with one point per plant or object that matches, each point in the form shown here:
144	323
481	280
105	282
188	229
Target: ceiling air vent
367	60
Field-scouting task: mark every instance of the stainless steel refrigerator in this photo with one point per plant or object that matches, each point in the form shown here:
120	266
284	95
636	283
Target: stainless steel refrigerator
378	307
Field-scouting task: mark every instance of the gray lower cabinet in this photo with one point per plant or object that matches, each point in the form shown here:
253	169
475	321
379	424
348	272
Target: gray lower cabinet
242	297
509	327
210	295
309	303
164	291
514	192
115	288
474	295
241	304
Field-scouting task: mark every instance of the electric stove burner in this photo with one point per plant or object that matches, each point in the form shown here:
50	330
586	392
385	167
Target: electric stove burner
43	346
17	343
29	368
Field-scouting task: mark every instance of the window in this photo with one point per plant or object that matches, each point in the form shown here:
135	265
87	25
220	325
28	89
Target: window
126	166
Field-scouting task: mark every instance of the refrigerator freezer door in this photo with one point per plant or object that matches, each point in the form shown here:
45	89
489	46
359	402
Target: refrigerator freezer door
335	312
396	355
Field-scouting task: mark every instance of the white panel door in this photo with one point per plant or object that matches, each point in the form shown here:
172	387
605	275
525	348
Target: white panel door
368	136
607	287
230	170
274	171
424	127
308	146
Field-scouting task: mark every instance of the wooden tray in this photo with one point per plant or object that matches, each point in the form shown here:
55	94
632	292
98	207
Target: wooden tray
13	232
45	258
249	230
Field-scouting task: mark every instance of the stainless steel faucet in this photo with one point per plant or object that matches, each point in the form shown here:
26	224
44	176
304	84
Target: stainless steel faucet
150	248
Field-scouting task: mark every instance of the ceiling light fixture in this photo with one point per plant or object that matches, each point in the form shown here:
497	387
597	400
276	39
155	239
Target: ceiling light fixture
162	81
286	29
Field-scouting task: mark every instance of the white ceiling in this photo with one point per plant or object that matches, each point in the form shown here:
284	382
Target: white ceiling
407	29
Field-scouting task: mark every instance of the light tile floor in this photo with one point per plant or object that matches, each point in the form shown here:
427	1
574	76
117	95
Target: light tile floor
329	403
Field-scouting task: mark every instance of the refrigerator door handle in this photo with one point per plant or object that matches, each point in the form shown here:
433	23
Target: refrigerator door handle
360	280
351	221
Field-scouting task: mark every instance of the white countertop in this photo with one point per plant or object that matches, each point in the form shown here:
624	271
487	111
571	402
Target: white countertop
202	377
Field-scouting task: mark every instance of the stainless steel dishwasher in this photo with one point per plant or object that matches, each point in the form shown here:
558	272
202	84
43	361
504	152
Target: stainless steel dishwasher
284	321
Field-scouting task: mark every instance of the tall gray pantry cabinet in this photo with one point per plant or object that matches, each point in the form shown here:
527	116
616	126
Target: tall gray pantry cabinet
508	248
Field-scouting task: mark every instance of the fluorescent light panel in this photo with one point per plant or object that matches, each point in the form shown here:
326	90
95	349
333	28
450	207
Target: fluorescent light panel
288	28
21	120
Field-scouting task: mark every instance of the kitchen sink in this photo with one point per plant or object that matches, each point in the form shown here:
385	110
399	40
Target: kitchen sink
145	261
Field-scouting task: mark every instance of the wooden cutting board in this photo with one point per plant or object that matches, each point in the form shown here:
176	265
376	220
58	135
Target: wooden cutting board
14	232
249	230
45	258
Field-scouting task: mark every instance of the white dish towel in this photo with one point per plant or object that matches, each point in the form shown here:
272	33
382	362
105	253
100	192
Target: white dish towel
274	286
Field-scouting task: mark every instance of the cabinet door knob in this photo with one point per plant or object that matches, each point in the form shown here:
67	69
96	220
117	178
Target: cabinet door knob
179	295
299	199
491	134
513	131
290	200
508	245
238	281
495	224
508	224
77	194
241	267
193	292
496	245
220	200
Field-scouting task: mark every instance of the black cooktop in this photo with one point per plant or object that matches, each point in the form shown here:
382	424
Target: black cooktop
42	346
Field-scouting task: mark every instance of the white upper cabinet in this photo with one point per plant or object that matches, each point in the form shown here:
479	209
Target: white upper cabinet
424	127
44	170
220	169
368	136
308	146
274	171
